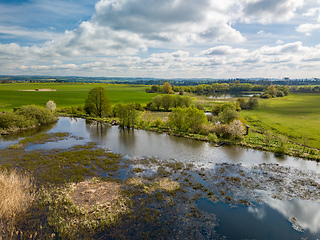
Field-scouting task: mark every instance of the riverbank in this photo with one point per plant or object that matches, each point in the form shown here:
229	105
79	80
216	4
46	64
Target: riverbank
256	139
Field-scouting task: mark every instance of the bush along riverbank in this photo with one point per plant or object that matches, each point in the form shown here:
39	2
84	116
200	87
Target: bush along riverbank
181	116
26	117
192	123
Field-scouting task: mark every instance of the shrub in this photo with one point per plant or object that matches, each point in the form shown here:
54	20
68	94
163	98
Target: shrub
216	109
280	94
212	118
281	149
12	120
236	129
212	137
266	96
158	122
221	130
26	117
205	129
228	115
267	137
51	105
39	115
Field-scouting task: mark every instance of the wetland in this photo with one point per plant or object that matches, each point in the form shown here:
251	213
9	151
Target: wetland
159	186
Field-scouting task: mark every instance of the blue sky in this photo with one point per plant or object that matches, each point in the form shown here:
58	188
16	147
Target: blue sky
161	38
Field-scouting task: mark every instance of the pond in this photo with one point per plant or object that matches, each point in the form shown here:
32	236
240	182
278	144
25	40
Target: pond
272	218
221	96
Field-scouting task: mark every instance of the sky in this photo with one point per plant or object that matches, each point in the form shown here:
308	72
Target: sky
161	38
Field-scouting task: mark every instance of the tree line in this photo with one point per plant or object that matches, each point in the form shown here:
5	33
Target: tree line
184	116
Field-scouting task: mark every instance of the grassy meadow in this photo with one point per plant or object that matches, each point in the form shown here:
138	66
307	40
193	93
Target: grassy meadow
296	116
67	94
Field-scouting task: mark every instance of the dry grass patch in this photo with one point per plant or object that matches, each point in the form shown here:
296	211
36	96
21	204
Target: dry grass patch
168	185
92	193
16	195
77	211
164	184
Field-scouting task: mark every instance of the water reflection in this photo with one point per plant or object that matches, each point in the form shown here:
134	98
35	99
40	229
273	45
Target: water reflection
6	140
306	213
97	130
232	95
264	221
233	153
139	143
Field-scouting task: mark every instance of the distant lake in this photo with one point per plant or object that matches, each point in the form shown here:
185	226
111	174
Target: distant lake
233	95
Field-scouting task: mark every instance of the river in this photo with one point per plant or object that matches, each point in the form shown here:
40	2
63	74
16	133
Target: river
276	216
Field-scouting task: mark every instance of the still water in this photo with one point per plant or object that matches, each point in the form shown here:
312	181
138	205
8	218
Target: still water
269	220
224	96
273	219
139	143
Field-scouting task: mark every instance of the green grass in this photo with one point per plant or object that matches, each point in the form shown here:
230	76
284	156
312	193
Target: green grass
297	116
67	94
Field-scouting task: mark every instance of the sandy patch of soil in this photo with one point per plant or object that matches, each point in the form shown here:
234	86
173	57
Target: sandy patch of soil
90	193
39	90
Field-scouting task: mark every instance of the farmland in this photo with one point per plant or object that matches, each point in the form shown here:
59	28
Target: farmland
67	94
296	116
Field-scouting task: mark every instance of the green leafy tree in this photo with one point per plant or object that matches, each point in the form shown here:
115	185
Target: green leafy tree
166	102
177	119
157	100
195	118
127	114
228	115
97	103
166	88
186	101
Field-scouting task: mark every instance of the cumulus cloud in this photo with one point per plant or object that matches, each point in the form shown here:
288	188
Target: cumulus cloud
313	12
220	61
195	38
183	22
307	28
266	11
224	50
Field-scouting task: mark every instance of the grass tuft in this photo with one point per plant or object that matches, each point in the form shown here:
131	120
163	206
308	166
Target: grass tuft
16	195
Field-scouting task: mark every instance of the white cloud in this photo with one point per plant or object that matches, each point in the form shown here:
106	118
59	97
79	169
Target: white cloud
306	213
292	59
267	11
307	28
313	12
180	22
196	39
224	50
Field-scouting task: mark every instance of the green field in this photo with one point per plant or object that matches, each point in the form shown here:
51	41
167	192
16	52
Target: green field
297	116
67	94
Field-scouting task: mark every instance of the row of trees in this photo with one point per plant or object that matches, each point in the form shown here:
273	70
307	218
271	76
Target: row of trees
305	89
275	91
207	89
168	101
185	117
